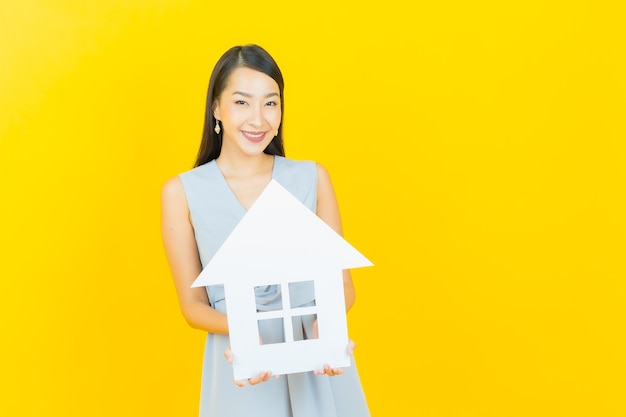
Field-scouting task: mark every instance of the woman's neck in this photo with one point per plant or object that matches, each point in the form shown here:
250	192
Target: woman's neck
244	166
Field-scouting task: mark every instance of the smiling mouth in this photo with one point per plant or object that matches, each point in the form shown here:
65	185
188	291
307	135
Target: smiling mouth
254	136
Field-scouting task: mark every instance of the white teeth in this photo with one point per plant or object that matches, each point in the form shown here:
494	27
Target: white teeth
258	135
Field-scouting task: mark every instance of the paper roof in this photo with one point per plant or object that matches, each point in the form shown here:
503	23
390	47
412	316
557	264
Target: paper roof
278	233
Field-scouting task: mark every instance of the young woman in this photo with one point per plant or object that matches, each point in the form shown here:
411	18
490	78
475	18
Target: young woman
241	151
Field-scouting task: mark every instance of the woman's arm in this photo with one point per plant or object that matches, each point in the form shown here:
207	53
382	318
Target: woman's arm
328	210
182	255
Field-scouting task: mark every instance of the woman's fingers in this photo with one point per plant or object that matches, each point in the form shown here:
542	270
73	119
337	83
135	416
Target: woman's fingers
329	371
228	354
351	346
239	382
261	377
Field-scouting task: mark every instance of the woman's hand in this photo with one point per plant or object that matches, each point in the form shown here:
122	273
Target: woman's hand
261	377
328	370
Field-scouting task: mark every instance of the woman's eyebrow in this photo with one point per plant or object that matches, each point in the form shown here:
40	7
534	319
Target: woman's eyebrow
241	93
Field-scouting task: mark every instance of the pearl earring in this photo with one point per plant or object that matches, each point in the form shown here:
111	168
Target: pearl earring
217	127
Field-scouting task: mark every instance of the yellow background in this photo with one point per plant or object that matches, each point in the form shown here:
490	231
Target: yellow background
477	149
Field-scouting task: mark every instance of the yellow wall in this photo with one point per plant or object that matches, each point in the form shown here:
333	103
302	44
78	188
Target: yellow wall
477	149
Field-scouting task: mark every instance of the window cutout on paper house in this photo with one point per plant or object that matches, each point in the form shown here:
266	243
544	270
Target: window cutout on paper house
277	336
299	323
266	290
297	316
302	287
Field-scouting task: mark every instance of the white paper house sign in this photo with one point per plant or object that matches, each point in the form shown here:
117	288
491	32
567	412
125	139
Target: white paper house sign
280	241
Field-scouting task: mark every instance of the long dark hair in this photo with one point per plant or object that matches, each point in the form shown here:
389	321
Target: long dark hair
249	56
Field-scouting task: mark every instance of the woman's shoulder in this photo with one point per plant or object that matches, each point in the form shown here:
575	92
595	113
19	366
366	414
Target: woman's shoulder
199	171
301	165
306	167
174	187
172	190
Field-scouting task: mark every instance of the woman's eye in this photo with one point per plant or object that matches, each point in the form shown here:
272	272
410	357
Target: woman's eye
271	103
240	102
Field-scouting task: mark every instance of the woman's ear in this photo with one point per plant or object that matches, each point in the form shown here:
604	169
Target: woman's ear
216	110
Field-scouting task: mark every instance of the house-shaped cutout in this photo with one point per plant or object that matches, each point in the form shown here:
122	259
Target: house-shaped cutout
281	241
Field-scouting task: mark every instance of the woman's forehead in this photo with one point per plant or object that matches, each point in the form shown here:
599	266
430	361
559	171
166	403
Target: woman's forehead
252	82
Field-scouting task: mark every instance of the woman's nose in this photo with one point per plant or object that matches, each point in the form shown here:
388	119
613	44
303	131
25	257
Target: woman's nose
255	116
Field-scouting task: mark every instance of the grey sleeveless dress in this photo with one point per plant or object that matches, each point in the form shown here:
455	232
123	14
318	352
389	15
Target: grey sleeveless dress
215	211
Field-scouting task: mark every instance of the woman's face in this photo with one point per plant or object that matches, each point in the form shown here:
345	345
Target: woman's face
249	111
